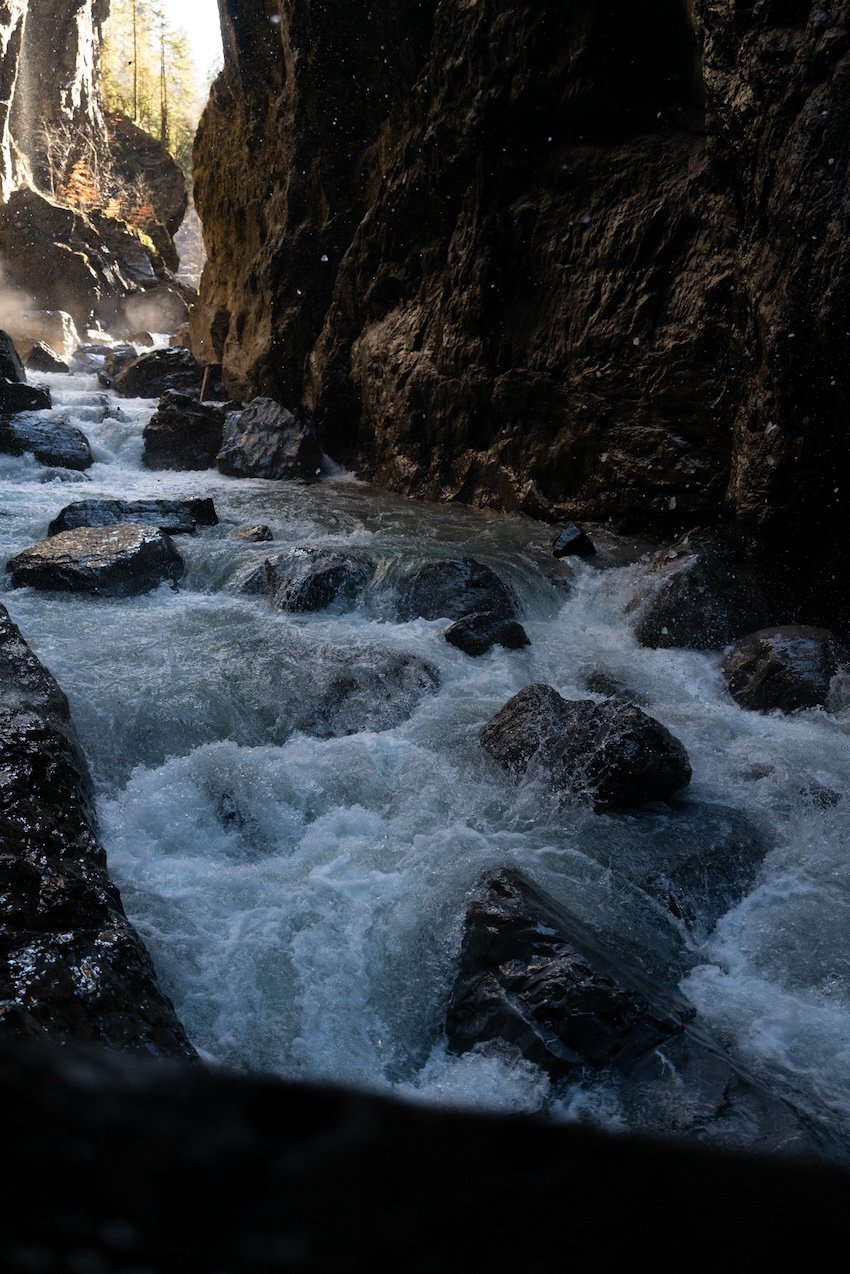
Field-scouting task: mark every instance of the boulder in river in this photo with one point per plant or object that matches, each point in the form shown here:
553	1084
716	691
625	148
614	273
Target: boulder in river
259	533
42	358
52	442
69	959
573	541
150	375
312	578
183	433
267	441
540	981
610	751
175	517
11	367
452	588
788	667
111	561
16	397
477	633
698	595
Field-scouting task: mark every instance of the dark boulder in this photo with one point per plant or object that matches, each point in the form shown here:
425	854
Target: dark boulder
257	534
15	397
477	633
572	541
69	960
611	752
111	561
183	433
42	358
368	689
698	861
699	595
266	441
115	359
535	978
11	367
150	375
52	442
175	517
786	668
312	578
452	588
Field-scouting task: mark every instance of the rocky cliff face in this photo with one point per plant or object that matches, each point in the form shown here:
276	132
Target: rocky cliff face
584	260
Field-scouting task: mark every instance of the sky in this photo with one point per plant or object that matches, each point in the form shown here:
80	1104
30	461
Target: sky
199	19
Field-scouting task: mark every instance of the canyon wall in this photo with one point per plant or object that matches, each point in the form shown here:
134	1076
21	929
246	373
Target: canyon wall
583	260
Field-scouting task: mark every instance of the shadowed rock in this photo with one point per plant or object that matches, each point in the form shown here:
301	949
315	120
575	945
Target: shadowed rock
453	588
572	541
15	397
477	633
150	375
42	358
786	668
312	578
11	367
111	561
175	517
266	441
52	442
183	433
611	752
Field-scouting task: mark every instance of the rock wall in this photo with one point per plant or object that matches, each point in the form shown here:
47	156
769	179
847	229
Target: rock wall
583	260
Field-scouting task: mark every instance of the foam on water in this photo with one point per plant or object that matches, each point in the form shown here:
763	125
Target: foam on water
303	897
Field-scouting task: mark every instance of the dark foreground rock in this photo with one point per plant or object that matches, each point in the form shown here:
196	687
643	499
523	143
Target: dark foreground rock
174	517
311	1180
11	367
699	596
52	442
183	433
150	375
266	441
311	578
16	397
535	978
786	668
42	358
70	962
111	561
477	633
453	588
572	542
611	752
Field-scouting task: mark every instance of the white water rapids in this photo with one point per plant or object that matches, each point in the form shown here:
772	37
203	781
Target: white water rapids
303	898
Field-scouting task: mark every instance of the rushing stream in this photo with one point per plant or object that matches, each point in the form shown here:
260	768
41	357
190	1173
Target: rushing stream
303	896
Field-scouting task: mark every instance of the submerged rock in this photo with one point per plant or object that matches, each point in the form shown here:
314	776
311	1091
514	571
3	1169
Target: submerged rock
698	596
111	561
361	690
52	442
183	433
453	588
42	358
70	962
266	441
151	375
477	633
175	517
312	578
787	668
535	978
611	752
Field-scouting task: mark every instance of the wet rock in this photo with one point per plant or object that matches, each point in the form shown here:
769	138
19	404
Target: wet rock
786	668
312	578
477	633
258	534
42	358
698	596
611	752
15	397
52	442
603	683
115	359
112	561
11	367
151	375
453	588
572	541
175	517
183	433
70	962
360	690
266	441
535	978
698	861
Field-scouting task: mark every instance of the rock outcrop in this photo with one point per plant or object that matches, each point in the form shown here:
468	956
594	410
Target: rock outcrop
503	259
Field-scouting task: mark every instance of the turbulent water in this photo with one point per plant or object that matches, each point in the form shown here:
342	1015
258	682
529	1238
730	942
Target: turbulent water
303	896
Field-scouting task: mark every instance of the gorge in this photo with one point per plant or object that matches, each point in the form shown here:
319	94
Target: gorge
411	812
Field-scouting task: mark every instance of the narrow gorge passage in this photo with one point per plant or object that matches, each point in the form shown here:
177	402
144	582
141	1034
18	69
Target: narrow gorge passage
295	811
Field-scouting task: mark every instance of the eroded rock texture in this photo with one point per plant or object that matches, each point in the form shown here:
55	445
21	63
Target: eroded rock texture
590	259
